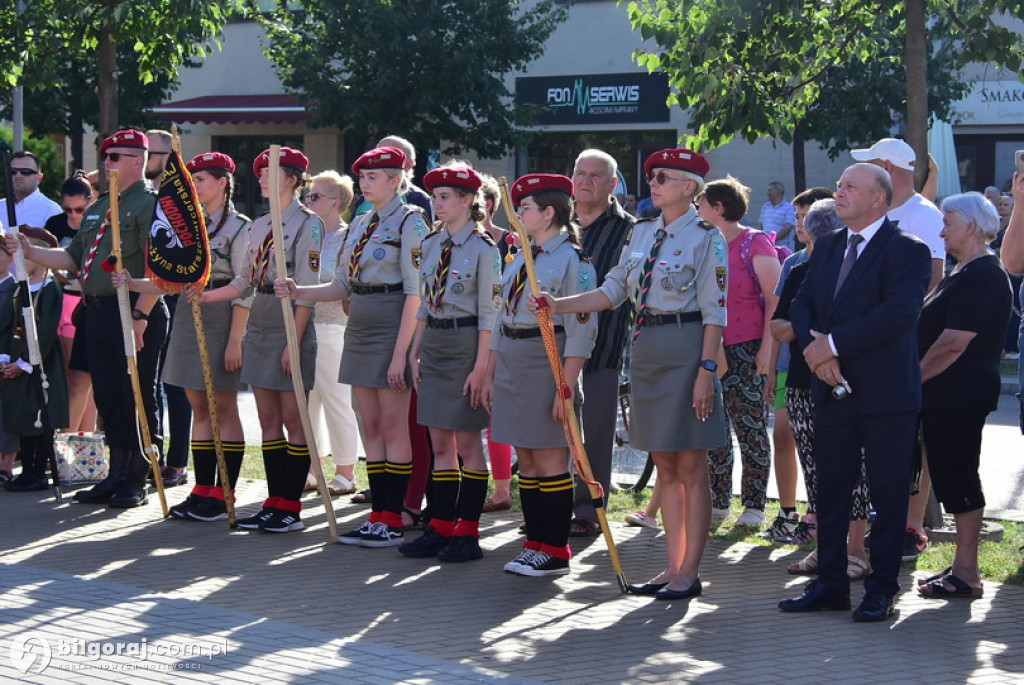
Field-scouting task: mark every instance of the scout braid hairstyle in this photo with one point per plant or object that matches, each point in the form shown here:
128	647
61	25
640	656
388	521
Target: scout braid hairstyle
229	195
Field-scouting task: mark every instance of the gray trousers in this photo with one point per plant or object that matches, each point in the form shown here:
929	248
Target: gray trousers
600	405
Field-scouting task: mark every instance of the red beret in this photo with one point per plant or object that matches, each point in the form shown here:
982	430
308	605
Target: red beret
288	157
530	184
40	234
380	158
211	160
453	176
126	138
678	158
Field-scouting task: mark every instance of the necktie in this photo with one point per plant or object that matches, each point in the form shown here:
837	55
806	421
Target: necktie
87	266
440	277
518	285
643	284
851	257
353	260
262	261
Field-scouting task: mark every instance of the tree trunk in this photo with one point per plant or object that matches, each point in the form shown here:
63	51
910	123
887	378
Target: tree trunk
799	165
916	59
107	83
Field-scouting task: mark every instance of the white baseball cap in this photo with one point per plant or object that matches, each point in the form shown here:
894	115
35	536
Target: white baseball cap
892	150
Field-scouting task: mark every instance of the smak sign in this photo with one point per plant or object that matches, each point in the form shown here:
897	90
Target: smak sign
596	99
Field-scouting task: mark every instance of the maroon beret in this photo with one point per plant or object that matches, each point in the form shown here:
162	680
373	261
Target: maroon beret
380	158
211	160
126	138
288	157
678	158
531	184
460	177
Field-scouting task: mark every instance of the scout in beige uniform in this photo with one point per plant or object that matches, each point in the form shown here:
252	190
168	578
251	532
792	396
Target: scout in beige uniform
675	269
265	362
460	272
224	325
379	275
527	410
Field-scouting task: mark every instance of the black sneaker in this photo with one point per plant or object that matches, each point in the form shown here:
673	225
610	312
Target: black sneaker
253	522
382	535
354	536
282	522
543	564
211	509
914	542
427	545
520	561
182	509
462	548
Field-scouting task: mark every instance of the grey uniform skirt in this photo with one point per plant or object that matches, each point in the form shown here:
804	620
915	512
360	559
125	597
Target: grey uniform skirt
447	356
524	393
182	366
370	337
664	366
265	342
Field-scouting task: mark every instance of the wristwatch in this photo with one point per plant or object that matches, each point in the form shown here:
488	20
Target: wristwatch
709	364
139	316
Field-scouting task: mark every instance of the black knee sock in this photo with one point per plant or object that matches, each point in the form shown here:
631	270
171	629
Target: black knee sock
529	497
296	469
234	451
204	462
275	459
445	484
397	483
557	495
472	495
375	473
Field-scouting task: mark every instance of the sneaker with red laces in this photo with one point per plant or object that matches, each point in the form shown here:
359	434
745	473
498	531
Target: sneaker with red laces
914	542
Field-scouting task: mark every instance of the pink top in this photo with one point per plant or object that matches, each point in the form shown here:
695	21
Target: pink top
746	318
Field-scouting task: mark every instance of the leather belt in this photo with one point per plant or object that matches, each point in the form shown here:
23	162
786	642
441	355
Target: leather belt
376	289
452	323
525	333
665	319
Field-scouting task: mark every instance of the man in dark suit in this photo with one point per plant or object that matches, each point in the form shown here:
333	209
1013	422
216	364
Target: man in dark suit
856	317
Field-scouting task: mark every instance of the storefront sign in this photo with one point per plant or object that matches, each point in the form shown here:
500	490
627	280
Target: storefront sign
596	99
992	103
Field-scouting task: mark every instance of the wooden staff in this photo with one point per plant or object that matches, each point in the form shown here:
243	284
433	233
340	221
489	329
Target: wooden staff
128	332
569	421
293	342
211	394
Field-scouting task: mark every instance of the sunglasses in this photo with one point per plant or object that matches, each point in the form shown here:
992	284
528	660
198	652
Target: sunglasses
73	210
315	197
23	171
661	177
116	156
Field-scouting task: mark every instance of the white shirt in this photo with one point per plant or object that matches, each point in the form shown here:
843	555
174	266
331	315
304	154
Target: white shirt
921	218
34	210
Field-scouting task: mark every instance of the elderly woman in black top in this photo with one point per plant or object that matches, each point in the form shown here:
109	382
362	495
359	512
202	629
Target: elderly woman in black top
960	336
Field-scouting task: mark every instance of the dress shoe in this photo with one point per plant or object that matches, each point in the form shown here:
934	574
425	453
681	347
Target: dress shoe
646	588
28	483
695	589
129	496
172	476
817	597
875	607
101	492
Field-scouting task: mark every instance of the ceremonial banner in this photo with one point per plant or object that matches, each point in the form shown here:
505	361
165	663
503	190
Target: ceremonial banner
179	249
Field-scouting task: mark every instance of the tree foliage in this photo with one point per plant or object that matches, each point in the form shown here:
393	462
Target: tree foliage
429	70
753	68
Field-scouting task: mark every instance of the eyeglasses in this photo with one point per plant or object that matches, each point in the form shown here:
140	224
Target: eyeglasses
661	177
23	171
154	153
116	156
523	209
73	210
314	197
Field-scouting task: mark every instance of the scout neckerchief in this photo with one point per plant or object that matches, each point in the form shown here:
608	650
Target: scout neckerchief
87	266
436	292
353	261
643	284
518	285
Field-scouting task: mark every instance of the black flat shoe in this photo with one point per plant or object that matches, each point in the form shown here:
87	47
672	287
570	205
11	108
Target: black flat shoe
646	588
875	607
816	597
694	590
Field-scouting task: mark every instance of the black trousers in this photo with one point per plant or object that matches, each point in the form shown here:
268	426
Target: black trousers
108	366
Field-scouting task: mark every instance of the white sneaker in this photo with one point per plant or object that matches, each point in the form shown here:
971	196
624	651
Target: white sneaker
640	518
752	518
719	515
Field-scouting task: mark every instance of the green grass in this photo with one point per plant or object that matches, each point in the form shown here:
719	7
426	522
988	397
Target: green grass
999	561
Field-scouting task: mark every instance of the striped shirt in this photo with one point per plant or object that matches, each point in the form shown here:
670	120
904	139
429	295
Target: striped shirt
602	243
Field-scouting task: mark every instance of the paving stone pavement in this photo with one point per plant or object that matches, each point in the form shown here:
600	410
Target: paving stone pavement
210	604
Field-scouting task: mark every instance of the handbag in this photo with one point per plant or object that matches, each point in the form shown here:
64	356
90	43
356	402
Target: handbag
81	457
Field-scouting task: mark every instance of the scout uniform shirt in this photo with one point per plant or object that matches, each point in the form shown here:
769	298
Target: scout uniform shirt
560	271
689	272
136	219
392	254
303	235
473	284
229	247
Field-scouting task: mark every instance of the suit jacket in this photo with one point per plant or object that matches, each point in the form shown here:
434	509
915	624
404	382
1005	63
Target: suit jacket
872	319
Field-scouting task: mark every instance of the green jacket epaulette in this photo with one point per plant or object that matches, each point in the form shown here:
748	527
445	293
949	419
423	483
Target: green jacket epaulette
707	226
485	234
629	236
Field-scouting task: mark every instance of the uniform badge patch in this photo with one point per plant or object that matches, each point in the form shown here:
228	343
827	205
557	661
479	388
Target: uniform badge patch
318	233
380	253
720	272
419	226
585	282
497	262
667	284
314	260
458	289
719	248
417	254
496	296
583	317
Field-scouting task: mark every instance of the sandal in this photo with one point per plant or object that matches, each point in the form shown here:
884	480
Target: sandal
340	485
362	497
806	566
937	589
931	579
310	483
856	568
582	528
491	505
416	517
